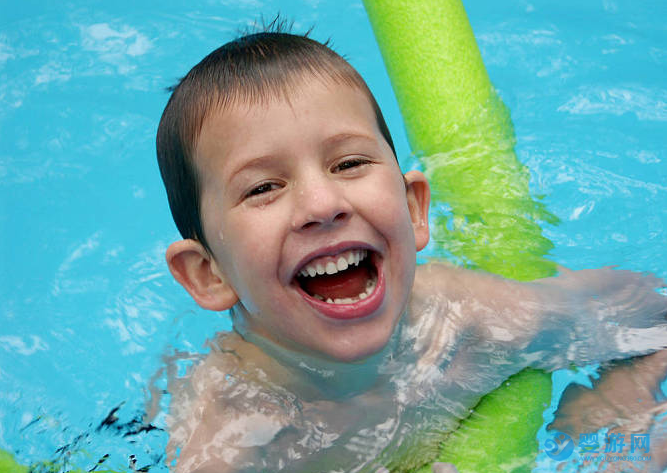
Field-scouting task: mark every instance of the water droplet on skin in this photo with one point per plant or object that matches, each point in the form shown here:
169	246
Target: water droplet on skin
221	236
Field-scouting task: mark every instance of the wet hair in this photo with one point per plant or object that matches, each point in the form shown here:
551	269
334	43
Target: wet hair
252	69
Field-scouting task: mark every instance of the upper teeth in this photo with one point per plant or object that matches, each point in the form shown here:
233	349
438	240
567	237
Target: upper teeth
331	265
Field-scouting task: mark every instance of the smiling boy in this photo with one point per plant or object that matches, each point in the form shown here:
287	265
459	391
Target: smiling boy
299	174
298	186
282	178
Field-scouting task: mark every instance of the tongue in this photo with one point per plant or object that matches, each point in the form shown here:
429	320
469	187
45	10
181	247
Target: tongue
348	283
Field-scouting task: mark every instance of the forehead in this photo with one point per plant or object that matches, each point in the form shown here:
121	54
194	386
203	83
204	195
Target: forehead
315	111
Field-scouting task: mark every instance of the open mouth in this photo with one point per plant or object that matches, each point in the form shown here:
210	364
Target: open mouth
343	286
343	279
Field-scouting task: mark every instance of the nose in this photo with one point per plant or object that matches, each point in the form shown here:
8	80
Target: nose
320	203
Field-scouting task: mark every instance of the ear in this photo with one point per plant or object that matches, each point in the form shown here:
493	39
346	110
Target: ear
194	268
419	198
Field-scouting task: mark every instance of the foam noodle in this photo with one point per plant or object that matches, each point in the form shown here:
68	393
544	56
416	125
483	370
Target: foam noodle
456	121
9	465
463	132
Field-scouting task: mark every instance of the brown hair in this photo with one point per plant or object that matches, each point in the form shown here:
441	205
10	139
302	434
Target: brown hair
252	69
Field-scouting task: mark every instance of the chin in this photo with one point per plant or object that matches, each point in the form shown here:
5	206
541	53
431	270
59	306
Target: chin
358	350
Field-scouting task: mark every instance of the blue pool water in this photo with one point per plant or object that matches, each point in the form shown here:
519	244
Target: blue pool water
89	312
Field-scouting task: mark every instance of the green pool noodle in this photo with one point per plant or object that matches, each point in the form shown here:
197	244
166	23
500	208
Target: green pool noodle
458	124
463	132
500	435
9	465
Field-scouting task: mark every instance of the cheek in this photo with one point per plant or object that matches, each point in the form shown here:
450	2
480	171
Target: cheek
388	209
245	244
243	249
250	248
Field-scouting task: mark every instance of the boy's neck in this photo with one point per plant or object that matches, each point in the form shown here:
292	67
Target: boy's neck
332	379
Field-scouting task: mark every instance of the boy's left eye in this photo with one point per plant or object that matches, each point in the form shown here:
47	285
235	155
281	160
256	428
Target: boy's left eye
350	163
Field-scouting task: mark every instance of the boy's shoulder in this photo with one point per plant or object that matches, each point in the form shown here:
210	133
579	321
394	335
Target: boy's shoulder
231	396
430	278
233	359
444	280
472	300
440	280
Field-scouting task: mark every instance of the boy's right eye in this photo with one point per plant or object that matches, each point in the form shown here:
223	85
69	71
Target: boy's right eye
262	188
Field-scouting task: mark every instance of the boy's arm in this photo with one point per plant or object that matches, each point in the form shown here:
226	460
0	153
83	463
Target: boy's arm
608	314
577	317
626	398
627	393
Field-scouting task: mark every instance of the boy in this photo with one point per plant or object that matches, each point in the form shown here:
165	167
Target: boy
282	178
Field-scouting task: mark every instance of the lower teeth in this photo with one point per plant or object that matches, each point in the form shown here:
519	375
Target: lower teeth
370	287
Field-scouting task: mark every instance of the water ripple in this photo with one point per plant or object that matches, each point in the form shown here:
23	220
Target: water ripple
644	102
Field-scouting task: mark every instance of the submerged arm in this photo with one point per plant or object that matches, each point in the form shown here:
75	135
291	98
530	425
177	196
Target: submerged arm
577	317
627	393
607	314
627	399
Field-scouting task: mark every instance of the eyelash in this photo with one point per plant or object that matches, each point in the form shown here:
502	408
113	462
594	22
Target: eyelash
344	165
261	189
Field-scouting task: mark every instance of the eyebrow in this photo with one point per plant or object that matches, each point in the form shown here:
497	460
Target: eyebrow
328	143
341	137
258	162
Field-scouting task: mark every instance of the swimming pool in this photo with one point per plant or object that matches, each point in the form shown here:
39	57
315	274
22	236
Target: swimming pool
89	308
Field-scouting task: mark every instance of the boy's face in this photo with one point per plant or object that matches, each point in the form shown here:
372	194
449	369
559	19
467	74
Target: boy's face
290	186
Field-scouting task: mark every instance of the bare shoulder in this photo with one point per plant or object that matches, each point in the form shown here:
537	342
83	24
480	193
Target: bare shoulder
436	277
228	357
442	279
490	306
220	403
233	366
